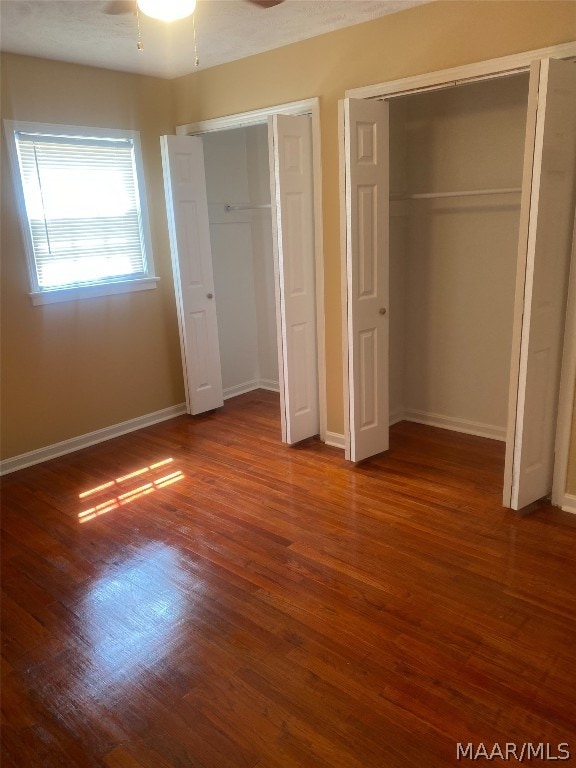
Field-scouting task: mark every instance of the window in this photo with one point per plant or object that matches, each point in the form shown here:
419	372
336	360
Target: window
83	210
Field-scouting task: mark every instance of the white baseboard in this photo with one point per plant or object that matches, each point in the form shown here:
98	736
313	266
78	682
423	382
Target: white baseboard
432	420
250	386
91	438
335	439
271	386
569	503
456	425
240	389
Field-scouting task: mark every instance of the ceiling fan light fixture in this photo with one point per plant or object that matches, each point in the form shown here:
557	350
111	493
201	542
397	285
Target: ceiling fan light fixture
167	10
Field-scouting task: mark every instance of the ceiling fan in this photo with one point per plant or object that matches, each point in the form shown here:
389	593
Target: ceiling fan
166	10
120	7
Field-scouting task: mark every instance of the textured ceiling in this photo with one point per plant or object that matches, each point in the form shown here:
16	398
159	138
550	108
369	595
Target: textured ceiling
79	31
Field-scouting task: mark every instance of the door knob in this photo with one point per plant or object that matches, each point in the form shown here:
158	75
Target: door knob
382	310
209	295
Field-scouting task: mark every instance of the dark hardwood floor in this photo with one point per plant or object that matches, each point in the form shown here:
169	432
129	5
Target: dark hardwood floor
198	594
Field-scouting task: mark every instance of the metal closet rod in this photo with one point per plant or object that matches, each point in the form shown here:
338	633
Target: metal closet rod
228	207
460	193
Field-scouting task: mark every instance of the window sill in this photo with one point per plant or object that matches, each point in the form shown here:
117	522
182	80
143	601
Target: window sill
92	291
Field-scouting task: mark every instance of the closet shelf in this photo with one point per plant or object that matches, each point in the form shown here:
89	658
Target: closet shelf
460	193
229	207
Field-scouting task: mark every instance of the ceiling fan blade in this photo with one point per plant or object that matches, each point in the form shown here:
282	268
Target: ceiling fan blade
119	7
266	3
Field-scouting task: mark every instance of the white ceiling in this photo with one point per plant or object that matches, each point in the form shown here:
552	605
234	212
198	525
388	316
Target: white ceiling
79	31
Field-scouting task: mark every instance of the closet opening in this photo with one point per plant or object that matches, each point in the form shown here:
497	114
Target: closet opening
460	218
240	220
456	159
243	213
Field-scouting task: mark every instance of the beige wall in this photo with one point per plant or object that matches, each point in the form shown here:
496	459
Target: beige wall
75	367
422	39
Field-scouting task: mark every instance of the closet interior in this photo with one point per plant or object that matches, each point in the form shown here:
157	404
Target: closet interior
238	191
456	157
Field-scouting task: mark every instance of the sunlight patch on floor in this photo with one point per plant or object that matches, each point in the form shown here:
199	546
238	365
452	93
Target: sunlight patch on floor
128	496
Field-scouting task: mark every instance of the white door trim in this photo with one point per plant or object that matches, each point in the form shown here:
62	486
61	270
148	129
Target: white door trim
480	70
344	277
260	117
446	78
253	117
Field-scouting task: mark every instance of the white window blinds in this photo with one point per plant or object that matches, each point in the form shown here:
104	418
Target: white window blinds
83	209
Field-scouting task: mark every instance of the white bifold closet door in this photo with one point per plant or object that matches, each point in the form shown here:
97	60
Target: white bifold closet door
545	243
187	208
367	267
291	174
292	194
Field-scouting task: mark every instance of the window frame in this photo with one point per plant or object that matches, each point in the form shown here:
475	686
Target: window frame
39	295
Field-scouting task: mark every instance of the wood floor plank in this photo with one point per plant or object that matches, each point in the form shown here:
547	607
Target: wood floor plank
120	758
199	594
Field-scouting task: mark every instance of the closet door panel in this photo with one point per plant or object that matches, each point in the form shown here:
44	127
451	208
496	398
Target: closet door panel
547	219
290	140
187	210
366	159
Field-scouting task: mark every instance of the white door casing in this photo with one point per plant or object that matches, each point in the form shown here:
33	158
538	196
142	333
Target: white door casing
367	267
546	226
187	211
292	196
